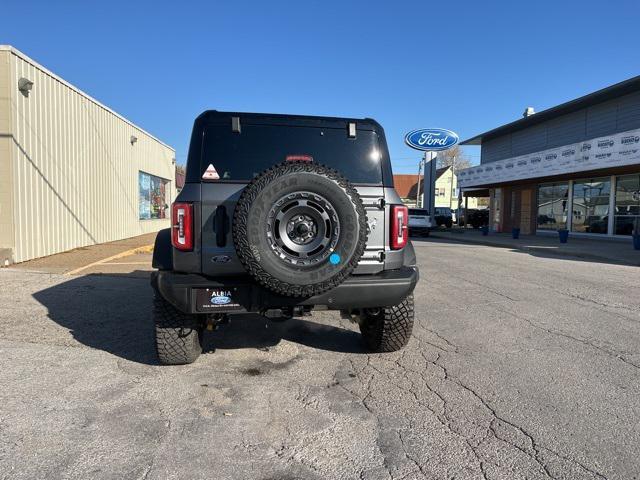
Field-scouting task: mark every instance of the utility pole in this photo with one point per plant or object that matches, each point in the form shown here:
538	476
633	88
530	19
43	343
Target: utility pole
418	205
428	181
453	176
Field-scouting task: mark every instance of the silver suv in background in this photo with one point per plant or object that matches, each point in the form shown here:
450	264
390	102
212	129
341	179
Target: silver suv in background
419	222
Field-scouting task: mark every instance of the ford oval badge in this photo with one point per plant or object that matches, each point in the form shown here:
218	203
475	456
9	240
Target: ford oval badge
221	259
429	139
220	300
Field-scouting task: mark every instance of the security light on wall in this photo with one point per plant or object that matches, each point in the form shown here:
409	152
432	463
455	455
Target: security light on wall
133	139
25	85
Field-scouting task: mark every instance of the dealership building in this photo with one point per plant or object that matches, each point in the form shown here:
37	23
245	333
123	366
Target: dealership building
575	166
72	171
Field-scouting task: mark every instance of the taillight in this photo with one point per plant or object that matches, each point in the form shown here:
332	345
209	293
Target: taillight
182	226
399	226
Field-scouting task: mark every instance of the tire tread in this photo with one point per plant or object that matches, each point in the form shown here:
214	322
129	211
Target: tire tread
178	338
240	237
389	330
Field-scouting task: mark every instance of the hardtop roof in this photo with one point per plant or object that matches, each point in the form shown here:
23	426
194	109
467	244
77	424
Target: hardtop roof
209	116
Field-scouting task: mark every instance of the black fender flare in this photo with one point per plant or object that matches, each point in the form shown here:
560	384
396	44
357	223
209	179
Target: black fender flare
409	258
163	251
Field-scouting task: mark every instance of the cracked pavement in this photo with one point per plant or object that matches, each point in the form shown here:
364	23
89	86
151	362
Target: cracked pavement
520	367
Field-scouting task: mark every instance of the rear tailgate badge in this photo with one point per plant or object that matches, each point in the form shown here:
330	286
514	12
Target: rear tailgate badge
220	300
221	259
210	173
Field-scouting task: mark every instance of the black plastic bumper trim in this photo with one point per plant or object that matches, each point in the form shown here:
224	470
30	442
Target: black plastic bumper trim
358	291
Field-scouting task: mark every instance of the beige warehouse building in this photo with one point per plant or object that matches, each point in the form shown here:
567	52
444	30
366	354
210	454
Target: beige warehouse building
72	172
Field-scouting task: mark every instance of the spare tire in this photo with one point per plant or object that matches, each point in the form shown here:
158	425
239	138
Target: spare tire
299	228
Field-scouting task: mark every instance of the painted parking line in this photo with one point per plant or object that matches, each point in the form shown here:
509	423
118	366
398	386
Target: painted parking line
127	263
143	249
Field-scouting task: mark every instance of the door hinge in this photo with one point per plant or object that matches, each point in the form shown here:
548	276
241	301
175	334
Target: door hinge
379	204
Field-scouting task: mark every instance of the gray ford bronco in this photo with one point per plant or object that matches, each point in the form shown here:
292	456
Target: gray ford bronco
281	214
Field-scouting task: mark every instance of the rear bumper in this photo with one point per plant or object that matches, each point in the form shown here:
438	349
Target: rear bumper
358	291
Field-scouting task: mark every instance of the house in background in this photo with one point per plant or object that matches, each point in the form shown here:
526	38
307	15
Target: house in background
407	187
446	189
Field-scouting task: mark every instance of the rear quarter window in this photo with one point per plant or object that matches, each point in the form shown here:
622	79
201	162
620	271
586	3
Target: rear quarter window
242	156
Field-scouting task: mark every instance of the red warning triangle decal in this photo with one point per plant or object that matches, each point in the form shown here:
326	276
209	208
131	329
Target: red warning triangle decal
210	173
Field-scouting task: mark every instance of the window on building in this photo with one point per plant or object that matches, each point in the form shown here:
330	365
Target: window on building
627	214
553	200
152	196
591	205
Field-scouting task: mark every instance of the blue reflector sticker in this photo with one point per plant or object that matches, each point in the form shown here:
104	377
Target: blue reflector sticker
334	259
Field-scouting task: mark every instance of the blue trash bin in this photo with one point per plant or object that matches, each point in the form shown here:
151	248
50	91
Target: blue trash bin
564	235
485	230
636	242
515	233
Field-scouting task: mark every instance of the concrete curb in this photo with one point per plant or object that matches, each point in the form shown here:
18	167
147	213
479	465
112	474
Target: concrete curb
535	249
126	253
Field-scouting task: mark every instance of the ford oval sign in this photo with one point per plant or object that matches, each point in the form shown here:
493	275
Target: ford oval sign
429	139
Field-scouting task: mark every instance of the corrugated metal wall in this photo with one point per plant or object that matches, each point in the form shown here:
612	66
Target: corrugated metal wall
75	171
614	116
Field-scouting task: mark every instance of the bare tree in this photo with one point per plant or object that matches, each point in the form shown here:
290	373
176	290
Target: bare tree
454	157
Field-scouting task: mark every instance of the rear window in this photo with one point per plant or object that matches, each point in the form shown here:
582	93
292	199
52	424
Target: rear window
242	156
418	211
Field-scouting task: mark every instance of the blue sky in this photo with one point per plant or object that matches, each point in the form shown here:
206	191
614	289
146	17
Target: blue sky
466	66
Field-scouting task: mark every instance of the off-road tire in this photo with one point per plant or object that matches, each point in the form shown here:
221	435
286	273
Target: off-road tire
390	329
178	335
263	264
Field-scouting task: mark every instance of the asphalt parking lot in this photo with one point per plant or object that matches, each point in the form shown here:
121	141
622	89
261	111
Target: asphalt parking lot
521	366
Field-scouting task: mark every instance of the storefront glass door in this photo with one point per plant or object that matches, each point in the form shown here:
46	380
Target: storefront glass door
591	205
553	201
627	204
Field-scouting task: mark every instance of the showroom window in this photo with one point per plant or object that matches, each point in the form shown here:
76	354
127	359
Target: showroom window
591	205
152	196
627	214
553	200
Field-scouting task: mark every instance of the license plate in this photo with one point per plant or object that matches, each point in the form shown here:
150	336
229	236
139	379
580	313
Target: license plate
217	299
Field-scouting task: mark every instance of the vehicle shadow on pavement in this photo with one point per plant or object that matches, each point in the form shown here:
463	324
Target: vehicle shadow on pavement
113	313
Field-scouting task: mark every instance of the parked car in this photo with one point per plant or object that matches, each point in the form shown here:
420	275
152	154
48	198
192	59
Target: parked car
280	214
443	216
419	222
460	220
478	217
